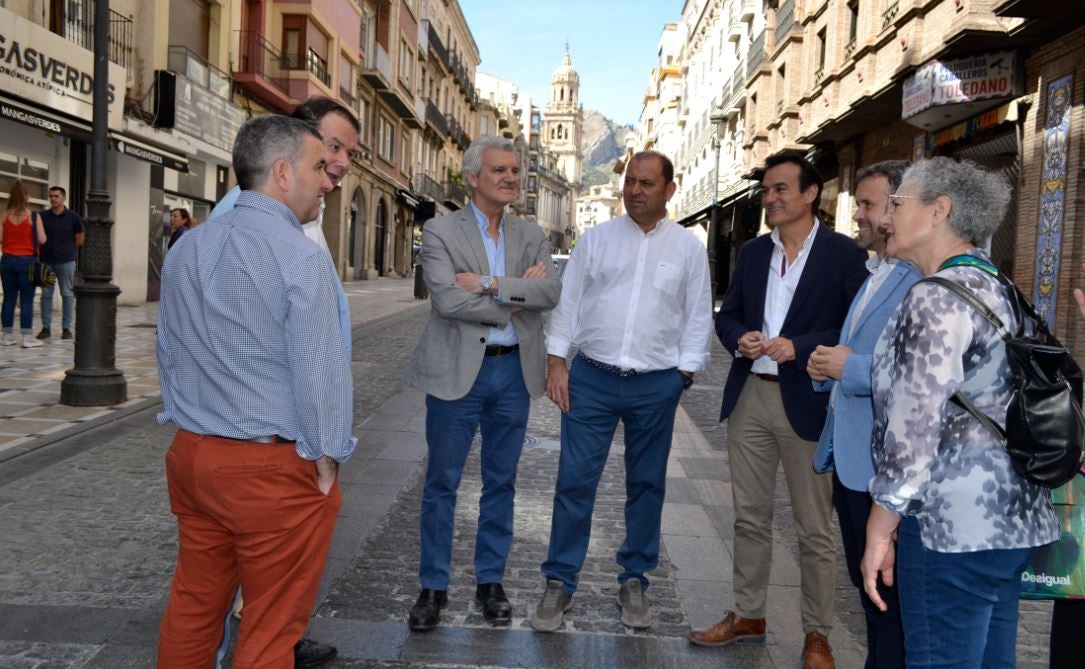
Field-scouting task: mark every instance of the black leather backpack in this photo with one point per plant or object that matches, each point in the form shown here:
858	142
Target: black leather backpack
1045	430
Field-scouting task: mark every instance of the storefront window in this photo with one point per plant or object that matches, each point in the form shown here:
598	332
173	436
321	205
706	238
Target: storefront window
34	174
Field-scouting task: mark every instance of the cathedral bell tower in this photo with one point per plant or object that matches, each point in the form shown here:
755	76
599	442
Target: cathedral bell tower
563	122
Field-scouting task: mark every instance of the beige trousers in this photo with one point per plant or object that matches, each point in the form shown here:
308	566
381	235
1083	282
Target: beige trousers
759	437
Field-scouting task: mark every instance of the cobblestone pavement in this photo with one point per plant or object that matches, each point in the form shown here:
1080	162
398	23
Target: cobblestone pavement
87	544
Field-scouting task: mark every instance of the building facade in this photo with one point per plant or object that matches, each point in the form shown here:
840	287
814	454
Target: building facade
852	82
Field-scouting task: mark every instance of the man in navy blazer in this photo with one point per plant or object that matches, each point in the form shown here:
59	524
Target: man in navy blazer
843	373
789	294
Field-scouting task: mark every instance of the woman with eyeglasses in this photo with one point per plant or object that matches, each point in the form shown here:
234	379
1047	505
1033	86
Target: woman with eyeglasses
953	524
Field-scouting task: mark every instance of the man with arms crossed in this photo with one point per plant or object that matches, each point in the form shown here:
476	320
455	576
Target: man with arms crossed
479	361
844	372
255	375
790	292
636	303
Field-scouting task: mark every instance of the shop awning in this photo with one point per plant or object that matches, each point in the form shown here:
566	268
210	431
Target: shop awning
35	117
148	153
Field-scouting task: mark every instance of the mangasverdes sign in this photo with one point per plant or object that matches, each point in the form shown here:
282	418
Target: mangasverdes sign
47	69
946	82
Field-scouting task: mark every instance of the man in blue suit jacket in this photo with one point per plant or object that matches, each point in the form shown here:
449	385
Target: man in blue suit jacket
789	293
843	371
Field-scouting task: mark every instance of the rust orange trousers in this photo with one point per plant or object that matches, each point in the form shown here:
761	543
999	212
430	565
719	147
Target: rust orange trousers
251	514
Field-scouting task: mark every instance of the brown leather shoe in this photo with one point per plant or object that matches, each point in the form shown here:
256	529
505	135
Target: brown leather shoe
816	653
729	630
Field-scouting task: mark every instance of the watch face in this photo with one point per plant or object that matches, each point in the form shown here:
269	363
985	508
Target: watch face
486	282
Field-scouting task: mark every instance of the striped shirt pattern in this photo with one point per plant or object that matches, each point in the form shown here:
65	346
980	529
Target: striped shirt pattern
249	339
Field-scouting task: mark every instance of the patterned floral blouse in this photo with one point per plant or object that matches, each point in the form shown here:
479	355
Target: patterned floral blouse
934	460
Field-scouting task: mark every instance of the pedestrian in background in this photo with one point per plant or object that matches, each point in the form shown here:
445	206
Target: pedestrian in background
790	292
953	525
843	371
65	231
180	223
636	304
255	374
480	360
17	238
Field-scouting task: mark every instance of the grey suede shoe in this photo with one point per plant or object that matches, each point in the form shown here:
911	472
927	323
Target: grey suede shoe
548	614
634	605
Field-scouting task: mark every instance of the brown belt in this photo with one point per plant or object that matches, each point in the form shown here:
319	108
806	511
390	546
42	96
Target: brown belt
768	377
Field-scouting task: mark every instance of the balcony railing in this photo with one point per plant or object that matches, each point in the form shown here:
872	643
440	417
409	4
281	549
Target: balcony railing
785	18
318	67
438	47
889	14
182	61
377	68
79	29
431	188
423	39
346	96
738	79
435	118
455	194
257	56
849	49
756	54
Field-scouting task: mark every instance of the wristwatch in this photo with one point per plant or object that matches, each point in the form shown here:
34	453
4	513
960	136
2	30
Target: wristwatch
486	282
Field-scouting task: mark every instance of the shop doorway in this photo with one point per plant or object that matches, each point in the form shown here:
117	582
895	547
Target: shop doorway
999	152
357	234
381	237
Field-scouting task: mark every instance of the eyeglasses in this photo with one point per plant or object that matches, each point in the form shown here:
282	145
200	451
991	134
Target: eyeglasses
894	200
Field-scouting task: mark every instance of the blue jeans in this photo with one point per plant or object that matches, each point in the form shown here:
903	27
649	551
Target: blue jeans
15	277
65	272
646	405
498	404
958	609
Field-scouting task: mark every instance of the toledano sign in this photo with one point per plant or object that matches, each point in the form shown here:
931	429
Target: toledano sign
47	69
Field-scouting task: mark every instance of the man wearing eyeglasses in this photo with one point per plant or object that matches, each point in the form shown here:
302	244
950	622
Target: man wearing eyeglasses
789	293
843	371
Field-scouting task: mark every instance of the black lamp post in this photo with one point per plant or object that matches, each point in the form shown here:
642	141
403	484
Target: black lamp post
718	120
95	380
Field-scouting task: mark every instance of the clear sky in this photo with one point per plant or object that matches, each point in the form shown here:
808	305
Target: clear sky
612	42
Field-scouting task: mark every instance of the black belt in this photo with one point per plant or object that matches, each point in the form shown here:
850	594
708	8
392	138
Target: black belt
273	439
502	350
772	378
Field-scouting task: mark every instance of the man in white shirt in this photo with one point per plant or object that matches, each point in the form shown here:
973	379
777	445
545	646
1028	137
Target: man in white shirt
843	371
636	303
789	293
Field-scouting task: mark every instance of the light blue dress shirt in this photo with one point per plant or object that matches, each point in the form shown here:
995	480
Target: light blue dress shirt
249	342
227	203
495	256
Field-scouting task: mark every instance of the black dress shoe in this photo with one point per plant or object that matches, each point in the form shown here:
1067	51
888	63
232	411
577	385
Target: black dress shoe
495	605
309	653
426	612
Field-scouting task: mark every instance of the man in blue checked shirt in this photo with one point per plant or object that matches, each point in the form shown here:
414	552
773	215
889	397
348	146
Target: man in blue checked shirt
255	374
338	128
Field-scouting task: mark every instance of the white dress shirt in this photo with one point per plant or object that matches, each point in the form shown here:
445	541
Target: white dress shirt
783	279
634	300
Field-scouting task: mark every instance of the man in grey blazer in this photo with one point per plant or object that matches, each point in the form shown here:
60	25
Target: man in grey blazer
844	372
480	360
